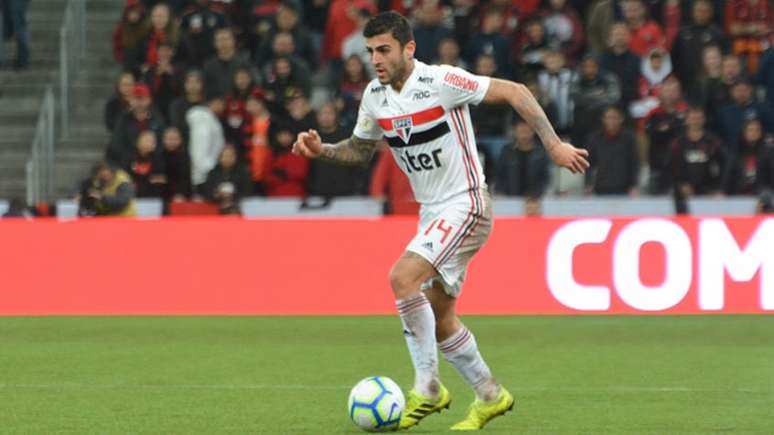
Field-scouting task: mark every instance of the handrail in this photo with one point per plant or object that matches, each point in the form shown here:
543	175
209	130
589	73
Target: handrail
72	47
39	168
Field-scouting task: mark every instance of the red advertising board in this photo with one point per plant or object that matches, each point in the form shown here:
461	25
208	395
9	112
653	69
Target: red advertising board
326	266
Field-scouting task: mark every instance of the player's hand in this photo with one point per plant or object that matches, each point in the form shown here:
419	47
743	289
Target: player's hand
308	144
567	156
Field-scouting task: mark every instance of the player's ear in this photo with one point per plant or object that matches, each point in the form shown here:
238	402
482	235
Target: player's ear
410	48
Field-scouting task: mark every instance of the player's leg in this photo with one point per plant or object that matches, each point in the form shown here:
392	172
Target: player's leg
416	315
458	345
406	278
459	348
455	341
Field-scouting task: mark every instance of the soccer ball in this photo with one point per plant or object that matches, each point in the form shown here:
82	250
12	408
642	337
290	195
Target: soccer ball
376	404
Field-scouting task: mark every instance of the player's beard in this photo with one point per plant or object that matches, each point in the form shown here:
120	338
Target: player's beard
398	73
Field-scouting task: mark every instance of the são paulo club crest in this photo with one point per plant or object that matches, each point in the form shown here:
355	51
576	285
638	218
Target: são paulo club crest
402	127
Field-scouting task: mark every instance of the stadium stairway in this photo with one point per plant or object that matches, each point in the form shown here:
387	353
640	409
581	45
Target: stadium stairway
93	87
21	93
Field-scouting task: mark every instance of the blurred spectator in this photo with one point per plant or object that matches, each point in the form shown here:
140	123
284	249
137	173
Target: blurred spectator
287	21
662	125
219	69
147	167
555	81
164	79
286	79
749	23
260	23
656	67
257	140
646	34
699	87
107	192
193	94
564	29
14	23
161	29
491	120
600	19
717	93
315	15
429	28
522	169
236	117
299	114
697	157
341	23
592	90
529	54
489	40
765	76
692	39
389	181
17	209
206	141
743	108
283	45
355	43
142	116
286	172
228	182
329	179
177	166
615	166
120	102
619	60
449	54
751	169
129	34
198	26
353	82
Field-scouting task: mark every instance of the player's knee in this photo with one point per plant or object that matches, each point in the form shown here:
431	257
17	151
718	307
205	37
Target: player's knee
403	284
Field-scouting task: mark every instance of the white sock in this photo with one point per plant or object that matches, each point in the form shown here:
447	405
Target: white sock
462	352
418	320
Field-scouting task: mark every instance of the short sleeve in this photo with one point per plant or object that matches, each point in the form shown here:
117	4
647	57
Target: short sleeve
367	126
459	87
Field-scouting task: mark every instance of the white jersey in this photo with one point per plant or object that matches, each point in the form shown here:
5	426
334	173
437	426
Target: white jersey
427	125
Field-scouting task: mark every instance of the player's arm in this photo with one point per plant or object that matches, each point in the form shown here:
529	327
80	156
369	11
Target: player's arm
522	100
352	151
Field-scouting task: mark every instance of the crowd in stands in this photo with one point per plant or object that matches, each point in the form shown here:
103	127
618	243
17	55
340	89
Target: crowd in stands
214	92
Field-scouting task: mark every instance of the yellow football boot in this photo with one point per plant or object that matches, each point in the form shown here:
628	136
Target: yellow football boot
480	412
419	407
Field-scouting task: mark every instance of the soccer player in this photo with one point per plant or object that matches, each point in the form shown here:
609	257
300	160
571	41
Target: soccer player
422	112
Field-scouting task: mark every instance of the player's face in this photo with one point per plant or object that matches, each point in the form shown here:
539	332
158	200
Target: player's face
389	59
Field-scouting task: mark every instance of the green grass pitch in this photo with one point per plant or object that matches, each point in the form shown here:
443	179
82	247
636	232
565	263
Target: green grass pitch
292	375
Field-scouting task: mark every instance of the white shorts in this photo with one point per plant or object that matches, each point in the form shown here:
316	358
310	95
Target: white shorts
450	233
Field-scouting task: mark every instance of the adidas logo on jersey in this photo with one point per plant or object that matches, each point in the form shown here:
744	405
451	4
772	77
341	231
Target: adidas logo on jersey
384	103
428	246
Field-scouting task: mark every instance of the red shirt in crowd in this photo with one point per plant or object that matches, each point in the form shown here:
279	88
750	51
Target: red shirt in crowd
285	175
745	12
340	25
646	38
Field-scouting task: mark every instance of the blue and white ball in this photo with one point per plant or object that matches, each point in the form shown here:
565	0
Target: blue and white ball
376	404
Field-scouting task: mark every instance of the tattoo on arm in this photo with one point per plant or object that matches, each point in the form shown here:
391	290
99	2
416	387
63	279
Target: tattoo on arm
529	108
353	151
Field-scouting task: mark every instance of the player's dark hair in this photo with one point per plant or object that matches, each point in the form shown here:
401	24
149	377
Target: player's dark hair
390	22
